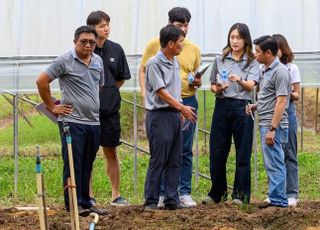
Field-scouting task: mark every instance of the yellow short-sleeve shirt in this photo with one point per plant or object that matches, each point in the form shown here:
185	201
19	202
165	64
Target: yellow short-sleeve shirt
189	60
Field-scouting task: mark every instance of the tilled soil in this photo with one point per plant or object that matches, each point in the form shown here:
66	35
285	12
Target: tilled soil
222	216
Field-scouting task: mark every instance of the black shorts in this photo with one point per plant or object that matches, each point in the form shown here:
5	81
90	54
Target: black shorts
110	130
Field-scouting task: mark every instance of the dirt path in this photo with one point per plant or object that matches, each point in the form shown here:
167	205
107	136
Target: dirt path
223	216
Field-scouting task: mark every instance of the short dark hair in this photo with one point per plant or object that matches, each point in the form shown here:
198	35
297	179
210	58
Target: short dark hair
267	43
287	54
170	33
96	17
179	14
84	29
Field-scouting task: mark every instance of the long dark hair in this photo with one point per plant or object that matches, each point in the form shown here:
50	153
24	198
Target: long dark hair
245	35
287	55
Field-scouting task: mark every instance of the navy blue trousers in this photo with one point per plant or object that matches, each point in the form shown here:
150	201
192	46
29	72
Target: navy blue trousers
85	144
230	120
165	142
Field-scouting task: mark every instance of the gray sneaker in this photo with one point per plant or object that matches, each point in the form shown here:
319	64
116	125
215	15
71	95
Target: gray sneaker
120	201
208	200
151	207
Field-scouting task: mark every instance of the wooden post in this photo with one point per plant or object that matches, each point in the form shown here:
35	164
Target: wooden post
72	177
73	227
41	198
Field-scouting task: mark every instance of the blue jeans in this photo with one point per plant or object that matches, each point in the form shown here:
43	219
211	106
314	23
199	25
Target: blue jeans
188	134
290	152
229	119
273	158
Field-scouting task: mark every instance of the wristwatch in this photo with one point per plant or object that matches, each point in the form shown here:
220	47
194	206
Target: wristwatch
239	80
272	128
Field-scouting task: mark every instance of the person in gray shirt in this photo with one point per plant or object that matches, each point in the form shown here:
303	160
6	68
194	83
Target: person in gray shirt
80	73
163	120
233	76
273	99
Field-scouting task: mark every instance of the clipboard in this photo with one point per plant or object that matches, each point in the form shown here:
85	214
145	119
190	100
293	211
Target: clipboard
44	110
201	70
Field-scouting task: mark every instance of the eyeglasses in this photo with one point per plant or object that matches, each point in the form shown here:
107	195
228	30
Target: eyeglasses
84	42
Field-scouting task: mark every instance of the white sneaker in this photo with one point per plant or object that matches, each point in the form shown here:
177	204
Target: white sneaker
267	200
237	201
160	202
292	201
186	201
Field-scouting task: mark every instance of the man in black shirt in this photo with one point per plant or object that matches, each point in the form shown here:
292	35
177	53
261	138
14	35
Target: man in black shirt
116	72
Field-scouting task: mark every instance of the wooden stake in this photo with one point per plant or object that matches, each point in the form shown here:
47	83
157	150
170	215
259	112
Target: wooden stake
41	197
73	227
72	178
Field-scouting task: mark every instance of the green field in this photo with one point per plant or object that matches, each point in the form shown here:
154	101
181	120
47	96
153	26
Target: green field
45	134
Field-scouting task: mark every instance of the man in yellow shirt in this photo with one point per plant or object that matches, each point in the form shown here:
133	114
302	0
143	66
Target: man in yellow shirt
189	60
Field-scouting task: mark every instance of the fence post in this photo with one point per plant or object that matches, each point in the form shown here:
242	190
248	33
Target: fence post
205	120
197	149
317	110
15	140
255	146
135	133
302	119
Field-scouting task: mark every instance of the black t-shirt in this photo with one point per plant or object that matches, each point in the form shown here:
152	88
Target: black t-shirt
115	69
115	63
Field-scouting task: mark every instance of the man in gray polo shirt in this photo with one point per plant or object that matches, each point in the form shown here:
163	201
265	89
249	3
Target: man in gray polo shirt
163	124
272	103
80	73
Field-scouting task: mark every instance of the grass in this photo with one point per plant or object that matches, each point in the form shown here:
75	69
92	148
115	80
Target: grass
44	133
7	109
52	171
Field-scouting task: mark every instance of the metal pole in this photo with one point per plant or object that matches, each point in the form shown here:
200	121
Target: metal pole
255	147
197	150
15	141
135	126
302	119
205	120
15	108
317	110
255	152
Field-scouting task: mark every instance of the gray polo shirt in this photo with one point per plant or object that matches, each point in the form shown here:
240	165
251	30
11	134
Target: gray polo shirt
79	85
161	73
275	81
231	66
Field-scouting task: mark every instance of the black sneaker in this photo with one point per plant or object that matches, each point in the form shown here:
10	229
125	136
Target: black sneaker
99	211
172	206
84	212
267	205
151	207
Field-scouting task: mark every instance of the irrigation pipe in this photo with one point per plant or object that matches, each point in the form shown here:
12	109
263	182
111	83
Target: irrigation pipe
95	219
